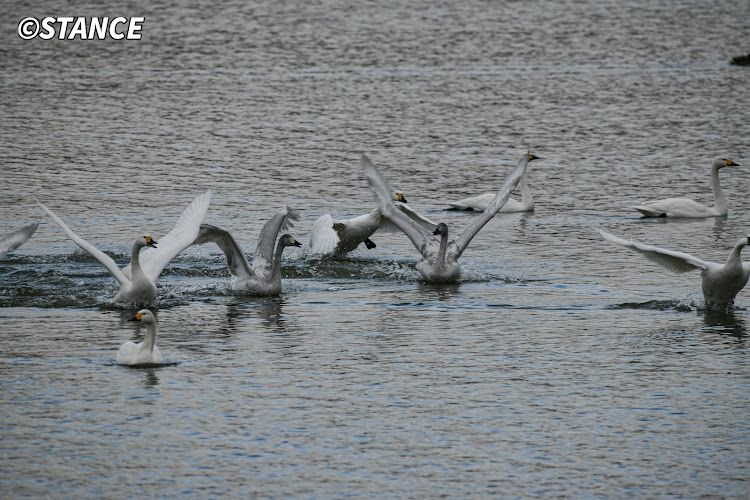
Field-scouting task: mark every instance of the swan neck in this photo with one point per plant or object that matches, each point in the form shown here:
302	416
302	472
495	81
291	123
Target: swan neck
135	260
443	246
150	340
525	191
720	204
277	259
735	256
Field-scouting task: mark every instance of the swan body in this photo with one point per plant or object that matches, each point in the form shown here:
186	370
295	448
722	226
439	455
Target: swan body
264	276
138	279
145	352
339	237
482	201
720	282
439	262
15	239
685	207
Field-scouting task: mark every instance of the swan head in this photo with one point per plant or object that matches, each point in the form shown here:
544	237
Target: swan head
288	240
144	316
145	241
721	162
532	157
399	197
441	229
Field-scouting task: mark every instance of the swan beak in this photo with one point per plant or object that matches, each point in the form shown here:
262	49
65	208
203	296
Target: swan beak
730	163
401	198
532	157
137	317
296	244
151	243
436	231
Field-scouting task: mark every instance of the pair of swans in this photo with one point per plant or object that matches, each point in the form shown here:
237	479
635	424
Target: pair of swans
142	353
439	262
15	239
339	237
720	283
685	207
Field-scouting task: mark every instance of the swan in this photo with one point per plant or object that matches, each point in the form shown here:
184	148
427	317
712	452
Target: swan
145	352
338	237
264	277
482	201
13	240
439	261
720	282
138	279
685	207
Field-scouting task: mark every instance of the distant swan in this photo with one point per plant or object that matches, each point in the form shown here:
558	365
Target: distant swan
439	261
482	201
338	237
685	207
720	282
139	284
145	352
13	240
264	277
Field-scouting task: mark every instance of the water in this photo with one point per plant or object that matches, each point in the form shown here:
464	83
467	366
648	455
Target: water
560	365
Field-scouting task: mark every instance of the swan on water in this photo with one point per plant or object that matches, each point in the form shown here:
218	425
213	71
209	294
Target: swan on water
685	207
264	276
138	279
720	282
145	352
15	239
338	237
439	262
482	201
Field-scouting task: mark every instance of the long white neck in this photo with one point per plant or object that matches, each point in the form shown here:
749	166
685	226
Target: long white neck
150	340
526	197
734	257
720	204
135	261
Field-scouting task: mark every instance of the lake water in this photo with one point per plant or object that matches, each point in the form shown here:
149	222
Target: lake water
559	365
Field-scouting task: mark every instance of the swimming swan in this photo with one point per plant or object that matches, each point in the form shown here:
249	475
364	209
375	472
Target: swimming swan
13	240
439	261
138	279
144	352
264	277
685	207
338	237
482	201
720	282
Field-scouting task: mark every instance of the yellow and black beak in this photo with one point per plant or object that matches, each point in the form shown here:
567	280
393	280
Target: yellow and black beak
401	198
151	243
137	317
730	163
532	157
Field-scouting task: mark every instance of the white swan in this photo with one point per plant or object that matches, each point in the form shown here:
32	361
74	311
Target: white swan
264	277
13	240
145	352
439	261
139	284
338	237
482	201
685	207
720	282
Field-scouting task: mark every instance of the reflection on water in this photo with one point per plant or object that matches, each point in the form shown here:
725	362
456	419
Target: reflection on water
725	321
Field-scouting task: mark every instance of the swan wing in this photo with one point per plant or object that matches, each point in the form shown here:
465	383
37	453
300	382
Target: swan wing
502	195
386	226
323	237
17	238
102	257
281	221
422	240
678	262
154	260
236	260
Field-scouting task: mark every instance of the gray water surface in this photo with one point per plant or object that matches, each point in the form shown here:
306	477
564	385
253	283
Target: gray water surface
559	365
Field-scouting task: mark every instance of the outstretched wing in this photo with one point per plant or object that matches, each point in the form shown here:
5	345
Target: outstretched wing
281	221
323	237
386	226
678	262
102	257
423	241
17	238
460	244
236	260
154	260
